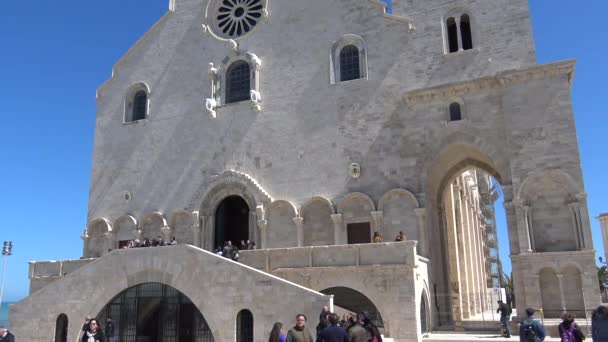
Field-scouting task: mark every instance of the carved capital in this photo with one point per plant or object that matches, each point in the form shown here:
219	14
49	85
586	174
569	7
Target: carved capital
299	221
336	218
420	212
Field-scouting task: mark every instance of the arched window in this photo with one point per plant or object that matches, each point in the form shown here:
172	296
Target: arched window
61	328
465	32
349	63
140	105
455	112
244	326
238	82
458	33
452	30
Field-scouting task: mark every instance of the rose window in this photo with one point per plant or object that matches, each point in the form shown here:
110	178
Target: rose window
235	18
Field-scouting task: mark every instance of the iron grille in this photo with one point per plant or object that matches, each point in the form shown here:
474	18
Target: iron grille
349	63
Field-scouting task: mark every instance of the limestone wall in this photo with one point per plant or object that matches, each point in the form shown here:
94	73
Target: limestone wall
209	281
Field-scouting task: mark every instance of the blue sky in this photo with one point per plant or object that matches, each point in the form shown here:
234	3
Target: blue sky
56	53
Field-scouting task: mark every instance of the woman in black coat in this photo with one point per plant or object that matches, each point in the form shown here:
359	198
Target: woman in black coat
94	334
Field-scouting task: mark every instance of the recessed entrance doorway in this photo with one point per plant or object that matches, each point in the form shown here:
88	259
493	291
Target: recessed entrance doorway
231	221
358	233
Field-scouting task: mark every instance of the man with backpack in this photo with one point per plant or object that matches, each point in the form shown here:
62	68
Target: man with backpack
531	330
505	316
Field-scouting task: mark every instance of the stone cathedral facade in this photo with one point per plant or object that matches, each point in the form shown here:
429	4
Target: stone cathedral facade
305	127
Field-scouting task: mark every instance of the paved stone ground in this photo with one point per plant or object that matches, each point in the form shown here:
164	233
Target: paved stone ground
440	337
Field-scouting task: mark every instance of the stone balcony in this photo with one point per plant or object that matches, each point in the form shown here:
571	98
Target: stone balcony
371	254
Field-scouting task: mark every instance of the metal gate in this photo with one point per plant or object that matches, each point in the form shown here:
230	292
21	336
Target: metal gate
154	312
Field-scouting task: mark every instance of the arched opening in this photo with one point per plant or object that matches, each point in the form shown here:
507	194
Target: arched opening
244	326
349	63
61	328
550	295
424	309
353	301
452	30
155	312
465	32
465	196
231	221
238	82
468	219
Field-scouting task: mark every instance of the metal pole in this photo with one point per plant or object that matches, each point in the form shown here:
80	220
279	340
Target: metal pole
2	284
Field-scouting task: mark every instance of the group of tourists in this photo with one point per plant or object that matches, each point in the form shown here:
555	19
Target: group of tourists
155	242
378	237
532	330
231	251
331	328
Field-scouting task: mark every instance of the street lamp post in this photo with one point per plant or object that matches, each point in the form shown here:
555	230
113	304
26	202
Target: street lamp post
7	250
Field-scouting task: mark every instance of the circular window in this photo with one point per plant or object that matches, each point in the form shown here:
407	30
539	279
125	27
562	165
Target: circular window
235	18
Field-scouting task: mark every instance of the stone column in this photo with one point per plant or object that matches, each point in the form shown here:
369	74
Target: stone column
560	281
338	236
455	287
423	238
209	231
377	222
468	243
300	230
513	228
253	226
166	233
524	231
574	213
585	225
603	218
263	225
85	243
196	229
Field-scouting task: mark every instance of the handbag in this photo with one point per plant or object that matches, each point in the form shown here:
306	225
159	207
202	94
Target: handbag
578	334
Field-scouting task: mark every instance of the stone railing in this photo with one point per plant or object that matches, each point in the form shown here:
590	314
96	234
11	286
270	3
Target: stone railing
43	273
389	253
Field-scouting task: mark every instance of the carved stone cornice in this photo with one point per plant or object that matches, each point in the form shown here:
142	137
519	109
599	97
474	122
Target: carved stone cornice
487	84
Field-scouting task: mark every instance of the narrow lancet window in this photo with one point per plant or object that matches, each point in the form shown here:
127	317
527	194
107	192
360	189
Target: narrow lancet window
452	30
465	32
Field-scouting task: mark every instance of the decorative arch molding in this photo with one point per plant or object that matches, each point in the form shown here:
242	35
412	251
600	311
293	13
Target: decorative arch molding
455	153
155	215
99	225
129	100
97	238
277	203
234	183
317	199
401	192
570	185
125	228
334	58
353	196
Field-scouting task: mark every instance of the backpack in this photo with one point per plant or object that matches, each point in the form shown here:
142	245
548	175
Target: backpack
529	333
568	335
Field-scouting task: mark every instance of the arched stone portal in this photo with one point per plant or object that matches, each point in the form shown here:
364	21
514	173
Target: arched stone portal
231	221
355	301
155	312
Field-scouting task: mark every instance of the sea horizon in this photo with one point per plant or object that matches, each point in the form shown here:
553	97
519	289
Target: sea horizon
4	312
